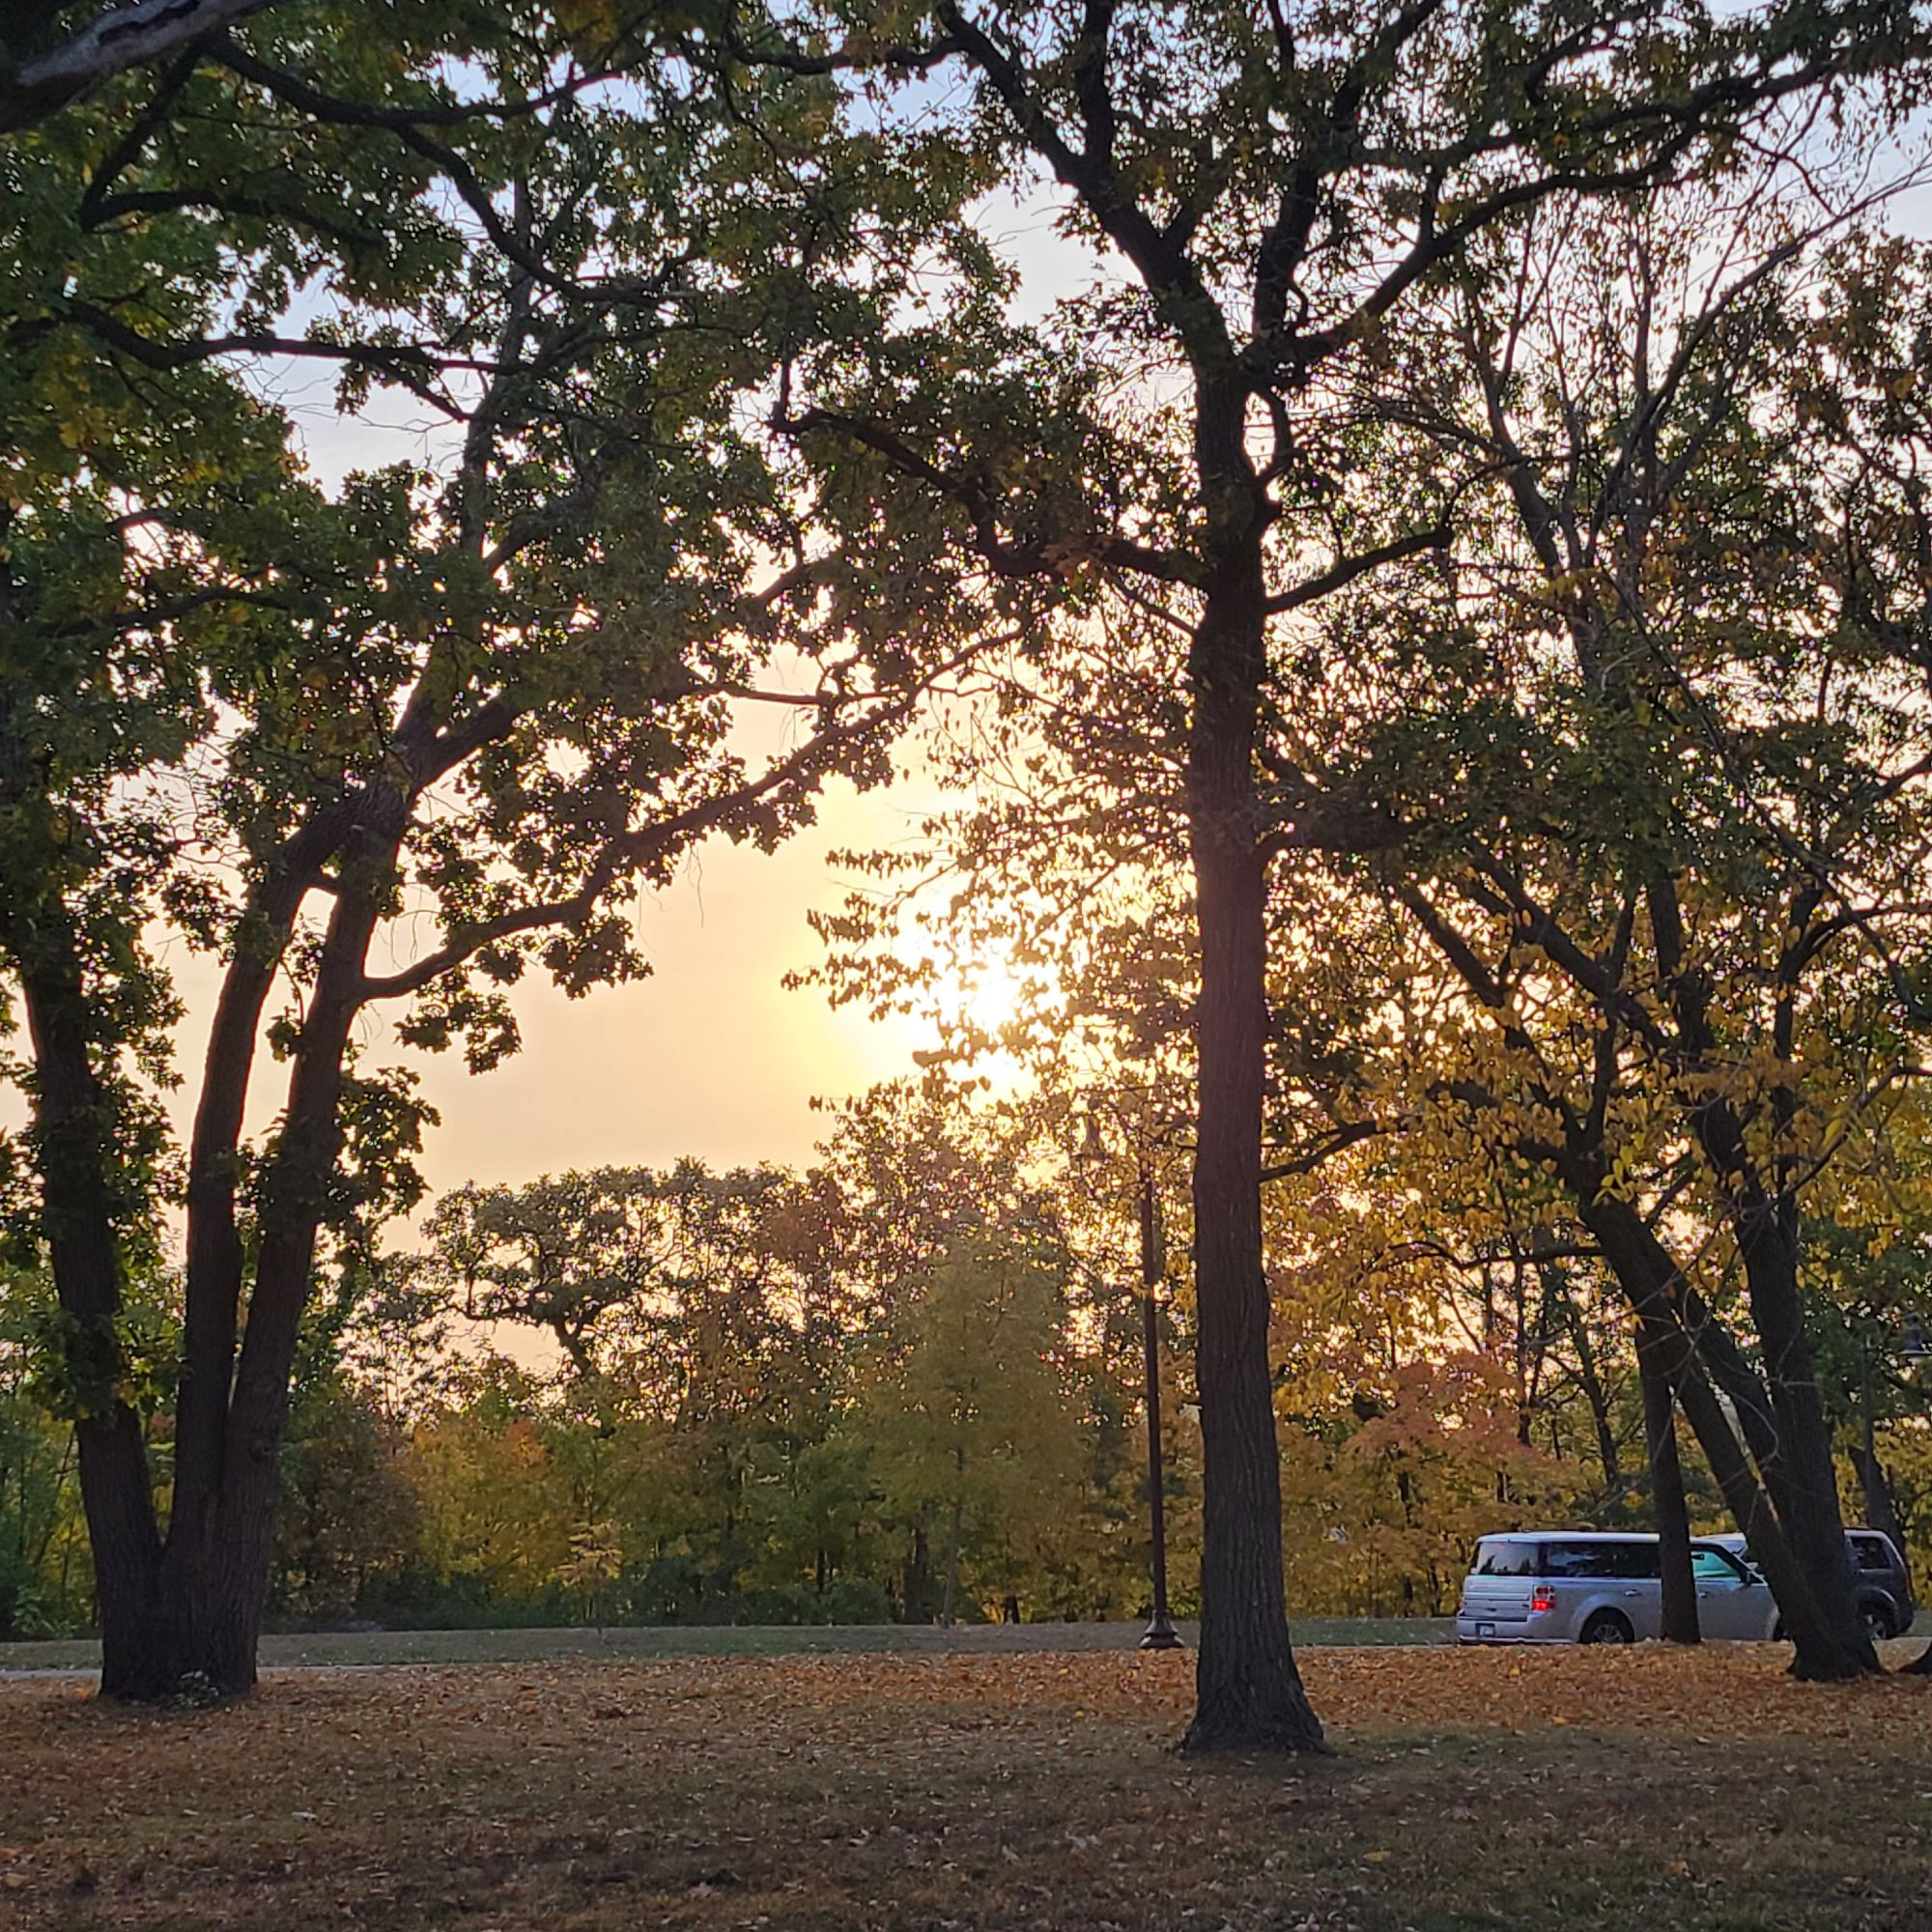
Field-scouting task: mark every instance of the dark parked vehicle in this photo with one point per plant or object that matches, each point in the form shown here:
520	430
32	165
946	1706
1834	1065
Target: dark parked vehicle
1884	1583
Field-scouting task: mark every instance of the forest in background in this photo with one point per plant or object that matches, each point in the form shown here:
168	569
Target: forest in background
902	1385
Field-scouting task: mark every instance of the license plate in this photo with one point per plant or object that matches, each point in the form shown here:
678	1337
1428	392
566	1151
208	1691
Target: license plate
1486	1629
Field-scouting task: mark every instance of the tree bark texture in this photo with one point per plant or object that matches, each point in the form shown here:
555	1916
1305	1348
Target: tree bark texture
135	33
1784	1415
1811	1511
1826	1649
74	1125
1249	1693
1666	1487
181	1614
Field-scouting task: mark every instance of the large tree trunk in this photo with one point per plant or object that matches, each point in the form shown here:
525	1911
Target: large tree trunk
171	1617
1796	1460
1826	1649
74	1125
211	1583
224	1568
215	1257
1811	1508
1249	1694
1666	1487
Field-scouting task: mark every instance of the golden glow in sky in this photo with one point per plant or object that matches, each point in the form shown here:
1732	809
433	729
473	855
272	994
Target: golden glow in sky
710	1056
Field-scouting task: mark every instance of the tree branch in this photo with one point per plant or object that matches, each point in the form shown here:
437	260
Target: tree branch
626	853
114	42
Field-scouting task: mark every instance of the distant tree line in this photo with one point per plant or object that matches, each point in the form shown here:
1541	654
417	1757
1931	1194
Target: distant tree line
893	1387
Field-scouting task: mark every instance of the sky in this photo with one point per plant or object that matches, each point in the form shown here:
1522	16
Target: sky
710	1056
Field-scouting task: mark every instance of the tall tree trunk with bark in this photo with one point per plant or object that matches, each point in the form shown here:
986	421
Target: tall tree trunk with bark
1666	1487
184	1609
1812	1514
73	1124
1792	1443
1249	1694
75	1131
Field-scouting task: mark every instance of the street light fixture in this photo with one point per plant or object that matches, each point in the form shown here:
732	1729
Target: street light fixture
1160	1632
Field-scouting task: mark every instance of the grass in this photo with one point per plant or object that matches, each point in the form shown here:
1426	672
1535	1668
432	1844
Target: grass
1594	1790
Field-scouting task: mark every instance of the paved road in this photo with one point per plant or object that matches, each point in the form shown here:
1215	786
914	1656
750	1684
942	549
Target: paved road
517	1646
339	1649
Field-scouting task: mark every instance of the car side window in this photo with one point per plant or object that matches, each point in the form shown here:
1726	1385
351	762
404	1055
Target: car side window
1713	1566
1630	1561
1600	1562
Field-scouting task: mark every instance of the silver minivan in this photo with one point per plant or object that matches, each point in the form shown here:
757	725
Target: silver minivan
1599	1586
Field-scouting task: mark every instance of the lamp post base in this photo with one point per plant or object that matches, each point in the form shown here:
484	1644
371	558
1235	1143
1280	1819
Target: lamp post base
1161	1634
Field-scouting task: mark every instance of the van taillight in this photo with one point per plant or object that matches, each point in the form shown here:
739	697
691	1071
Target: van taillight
1542	1598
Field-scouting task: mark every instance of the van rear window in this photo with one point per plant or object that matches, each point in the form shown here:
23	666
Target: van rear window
1506	1560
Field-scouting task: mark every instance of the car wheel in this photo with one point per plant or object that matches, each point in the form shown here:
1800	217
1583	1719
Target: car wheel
1607	1626
1877	1619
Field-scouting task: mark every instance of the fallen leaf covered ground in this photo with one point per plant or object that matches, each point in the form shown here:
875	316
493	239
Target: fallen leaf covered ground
1610	1789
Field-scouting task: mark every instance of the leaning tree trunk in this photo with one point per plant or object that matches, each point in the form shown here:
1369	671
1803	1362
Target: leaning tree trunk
1824	1649
74	1127
1666	1487
1813	1518
1797	1462
1249	1694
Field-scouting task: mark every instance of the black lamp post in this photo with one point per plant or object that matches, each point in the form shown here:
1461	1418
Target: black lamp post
1160	1632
